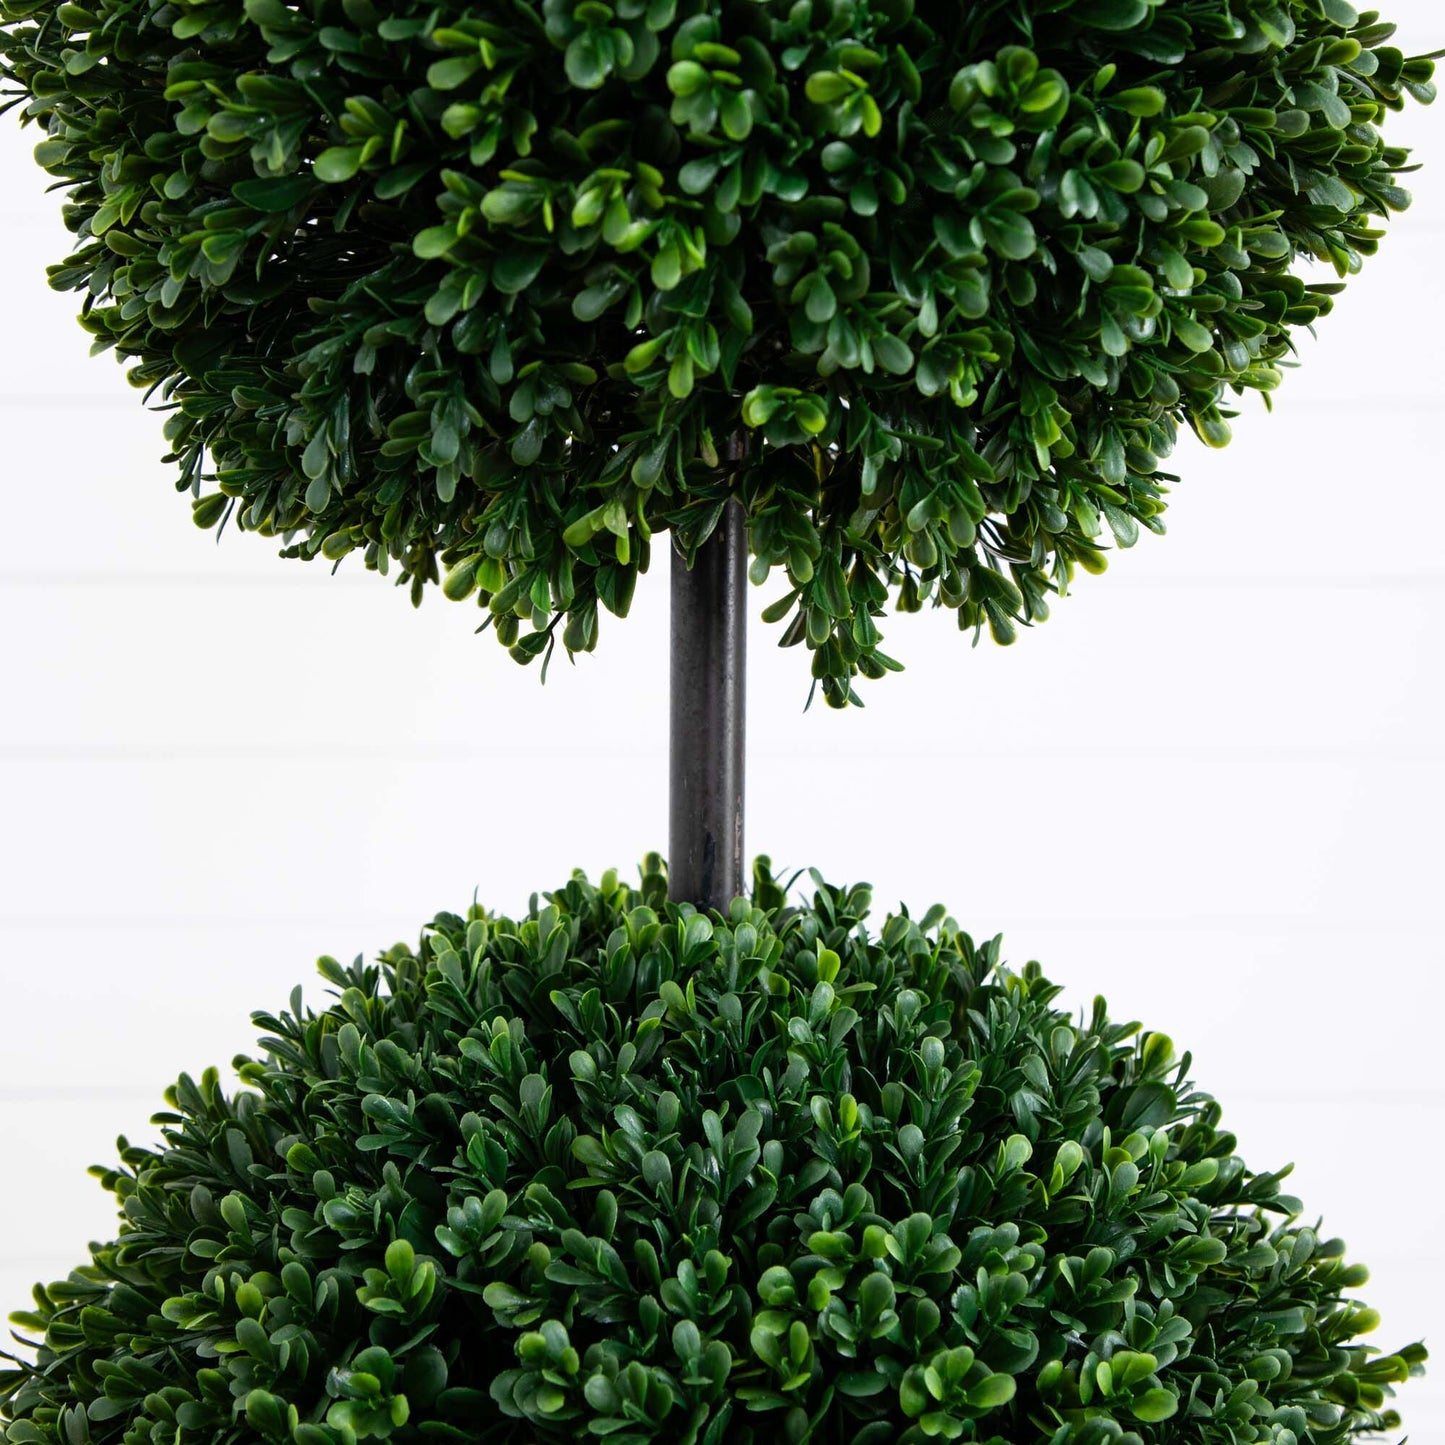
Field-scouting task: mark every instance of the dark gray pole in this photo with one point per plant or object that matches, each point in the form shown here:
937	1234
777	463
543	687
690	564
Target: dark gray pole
709	655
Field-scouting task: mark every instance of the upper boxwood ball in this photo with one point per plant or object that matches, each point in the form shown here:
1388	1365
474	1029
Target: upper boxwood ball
510	287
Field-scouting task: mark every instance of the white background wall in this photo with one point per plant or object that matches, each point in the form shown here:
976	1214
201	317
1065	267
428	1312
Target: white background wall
1211	787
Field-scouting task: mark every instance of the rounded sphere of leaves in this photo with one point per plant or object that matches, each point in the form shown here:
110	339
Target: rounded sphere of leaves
622	1170
509	289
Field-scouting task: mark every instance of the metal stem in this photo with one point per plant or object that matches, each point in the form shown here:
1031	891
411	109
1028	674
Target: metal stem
709	654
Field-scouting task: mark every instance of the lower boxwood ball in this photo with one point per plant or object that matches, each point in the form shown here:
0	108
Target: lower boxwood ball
618	1170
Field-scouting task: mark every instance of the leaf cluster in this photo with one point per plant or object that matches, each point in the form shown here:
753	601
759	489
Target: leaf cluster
493	295
622	1170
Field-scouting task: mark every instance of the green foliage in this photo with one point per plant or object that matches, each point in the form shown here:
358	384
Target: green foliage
506	290
623	1170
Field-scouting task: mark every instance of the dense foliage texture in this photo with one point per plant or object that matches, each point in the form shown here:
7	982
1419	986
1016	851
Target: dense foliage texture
621	1171
510	287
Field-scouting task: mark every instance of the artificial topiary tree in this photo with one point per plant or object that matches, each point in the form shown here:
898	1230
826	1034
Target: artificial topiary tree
905	298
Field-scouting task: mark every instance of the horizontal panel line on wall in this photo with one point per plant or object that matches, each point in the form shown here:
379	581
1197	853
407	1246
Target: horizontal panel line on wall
304	577
1282	923
299	577
1276	582
41	1095
82	401
1374	753
47	1094
1285	399
48	1269
294	576
35	217
123	399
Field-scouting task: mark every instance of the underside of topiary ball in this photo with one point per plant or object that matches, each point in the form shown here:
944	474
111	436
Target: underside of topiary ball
508	288
620	1170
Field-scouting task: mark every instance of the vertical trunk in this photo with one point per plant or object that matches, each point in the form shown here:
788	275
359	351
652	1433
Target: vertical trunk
709	634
